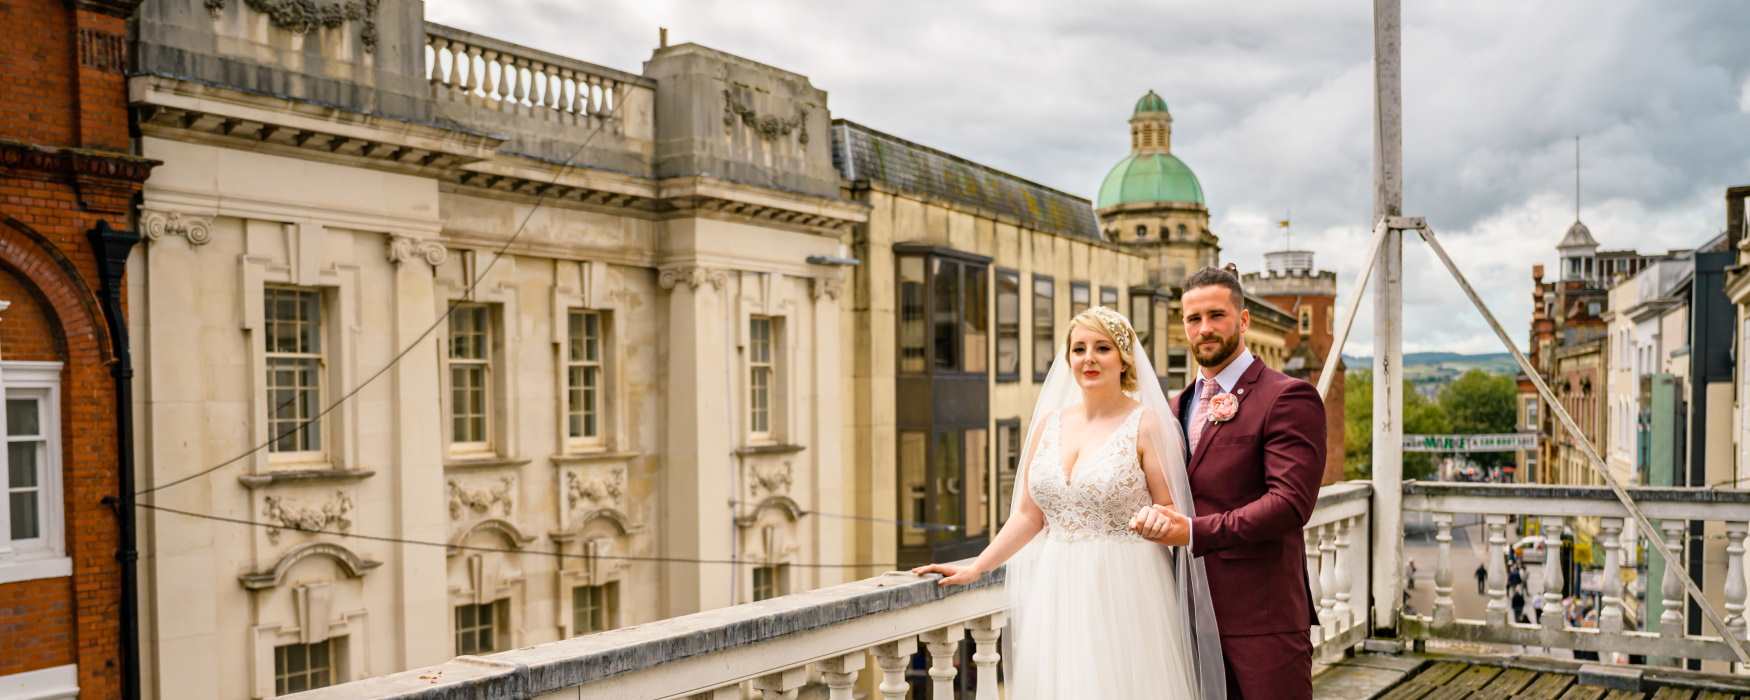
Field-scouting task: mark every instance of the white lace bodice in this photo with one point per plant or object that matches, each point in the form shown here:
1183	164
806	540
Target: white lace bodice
1103	492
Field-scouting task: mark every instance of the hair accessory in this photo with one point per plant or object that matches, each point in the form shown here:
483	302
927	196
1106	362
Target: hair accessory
1116	325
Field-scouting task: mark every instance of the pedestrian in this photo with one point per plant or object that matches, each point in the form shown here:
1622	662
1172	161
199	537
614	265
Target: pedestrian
1482	578
1411	579
1519	604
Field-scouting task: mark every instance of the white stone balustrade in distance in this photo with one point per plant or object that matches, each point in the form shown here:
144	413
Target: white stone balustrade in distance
1610	618
1443	570
1554	617
1496	586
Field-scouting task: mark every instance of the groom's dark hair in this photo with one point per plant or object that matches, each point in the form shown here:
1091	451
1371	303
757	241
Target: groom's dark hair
1228	276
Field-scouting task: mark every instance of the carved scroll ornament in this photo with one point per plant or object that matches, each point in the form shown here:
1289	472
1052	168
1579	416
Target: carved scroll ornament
408	248
158	224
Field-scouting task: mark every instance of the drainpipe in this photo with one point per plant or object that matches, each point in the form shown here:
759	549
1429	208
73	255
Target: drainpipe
112	248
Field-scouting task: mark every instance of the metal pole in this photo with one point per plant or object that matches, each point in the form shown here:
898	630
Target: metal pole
1592	456
1388	310
1336	351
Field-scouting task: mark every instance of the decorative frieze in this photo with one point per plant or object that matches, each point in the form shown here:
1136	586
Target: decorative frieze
693	276
481	501
403	248
595	492
158	224
285	514
770	479
305	16
770	127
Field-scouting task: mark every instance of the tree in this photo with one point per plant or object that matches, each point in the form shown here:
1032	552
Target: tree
1420	416
1480	402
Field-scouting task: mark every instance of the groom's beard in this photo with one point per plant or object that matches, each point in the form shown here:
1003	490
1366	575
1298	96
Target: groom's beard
1221	353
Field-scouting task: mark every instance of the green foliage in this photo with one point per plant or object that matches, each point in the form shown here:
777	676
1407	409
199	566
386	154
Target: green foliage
1477	402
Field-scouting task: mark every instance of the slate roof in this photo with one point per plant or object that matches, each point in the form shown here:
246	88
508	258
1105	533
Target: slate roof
862	153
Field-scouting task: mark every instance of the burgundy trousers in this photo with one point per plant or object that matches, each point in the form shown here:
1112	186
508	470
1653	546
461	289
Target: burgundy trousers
1268	666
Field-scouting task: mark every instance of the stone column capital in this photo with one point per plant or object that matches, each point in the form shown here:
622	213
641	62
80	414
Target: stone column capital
829	286
156	224
694	276
403	248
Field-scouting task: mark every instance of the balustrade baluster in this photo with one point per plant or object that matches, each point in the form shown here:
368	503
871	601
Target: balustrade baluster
1311	546
1671	620
892	657
942	644
538	86
520	89
568	93
1553	616
1343	612
1735	591
1443	570
439	46
840	674
782	685
1496	614
985	632
1610	618
1328	574
466	79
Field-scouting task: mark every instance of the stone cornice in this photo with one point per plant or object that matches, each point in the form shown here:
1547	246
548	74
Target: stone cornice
75	162
115	8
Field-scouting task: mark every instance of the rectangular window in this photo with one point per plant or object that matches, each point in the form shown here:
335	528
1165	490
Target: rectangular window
478	627
293	324
947	300
595	608
27	457
975	319
1178	369
1044	327
1306	320
1531	413
583	376
1008	465
1008	326
1078	298
976	484
1109	298
913	485
30	492
300	667
770	581
470	361
913	356
760	374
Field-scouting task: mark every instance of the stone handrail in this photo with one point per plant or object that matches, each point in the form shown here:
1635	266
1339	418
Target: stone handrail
1671	510
773	647
497	75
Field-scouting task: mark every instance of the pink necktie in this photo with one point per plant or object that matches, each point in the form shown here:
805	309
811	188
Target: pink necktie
1200	417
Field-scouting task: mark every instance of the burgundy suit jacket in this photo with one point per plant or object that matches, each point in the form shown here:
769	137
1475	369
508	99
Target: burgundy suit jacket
1254	481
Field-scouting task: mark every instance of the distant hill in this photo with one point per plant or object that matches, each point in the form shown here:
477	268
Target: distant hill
1418	364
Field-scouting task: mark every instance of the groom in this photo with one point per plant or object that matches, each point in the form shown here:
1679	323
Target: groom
1256	440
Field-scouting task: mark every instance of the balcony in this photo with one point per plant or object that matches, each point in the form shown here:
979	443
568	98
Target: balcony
900	636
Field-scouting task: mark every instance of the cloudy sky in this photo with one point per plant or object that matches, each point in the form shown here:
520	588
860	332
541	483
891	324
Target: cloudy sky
1272	106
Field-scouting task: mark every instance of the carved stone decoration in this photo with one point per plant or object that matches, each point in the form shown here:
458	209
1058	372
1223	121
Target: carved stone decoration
599	491
353	564
828	287
770	479
157	224
305	16
693	275
769	127
463	499
335	514
408	248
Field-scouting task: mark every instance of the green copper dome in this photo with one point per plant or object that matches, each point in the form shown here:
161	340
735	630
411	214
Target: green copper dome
1150	103
1148	178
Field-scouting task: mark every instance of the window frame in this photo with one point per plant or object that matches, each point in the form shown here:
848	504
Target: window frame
1048	333
1109	298
608	607
334	667
776	584
498	627
1083	289
1306	321
488	381
1009	330
43	556
1007	476
323	436
921	324
599	408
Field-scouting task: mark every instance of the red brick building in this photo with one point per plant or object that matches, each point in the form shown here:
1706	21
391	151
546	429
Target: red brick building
1310	296
67	184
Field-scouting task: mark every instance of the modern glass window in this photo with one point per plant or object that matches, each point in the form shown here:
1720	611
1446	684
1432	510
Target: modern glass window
760	374
974	318
947	302
470	364
913	487
1044	326
913	354
770	581
478	627
300	667
1109	298
1008	465
583	375
1078	298
595	608
1008	367
293	324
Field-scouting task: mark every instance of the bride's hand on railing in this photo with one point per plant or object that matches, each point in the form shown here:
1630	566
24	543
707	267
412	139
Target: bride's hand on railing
952	574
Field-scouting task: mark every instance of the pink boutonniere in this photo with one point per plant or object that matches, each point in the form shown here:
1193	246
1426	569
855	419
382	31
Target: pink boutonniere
1222	407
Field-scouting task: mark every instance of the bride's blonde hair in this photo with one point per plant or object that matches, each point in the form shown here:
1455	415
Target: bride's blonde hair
1116	328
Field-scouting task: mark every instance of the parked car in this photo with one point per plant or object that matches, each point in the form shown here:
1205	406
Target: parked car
1529	549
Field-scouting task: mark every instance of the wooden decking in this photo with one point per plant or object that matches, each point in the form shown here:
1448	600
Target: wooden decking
1453	680
1414	676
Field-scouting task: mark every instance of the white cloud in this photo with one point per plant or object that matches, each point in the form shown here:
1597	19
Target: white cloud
1272	108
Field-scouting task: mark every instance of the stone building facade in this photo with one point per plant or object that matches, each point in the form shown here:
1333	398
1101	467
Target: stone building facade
66	182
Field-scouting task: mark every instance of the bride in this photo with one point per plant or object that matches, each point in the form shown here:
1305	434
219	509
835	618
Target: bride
1096	610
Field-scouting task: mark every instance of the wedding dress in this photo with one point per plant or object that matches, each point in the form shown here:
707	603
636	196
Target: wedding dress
1096	610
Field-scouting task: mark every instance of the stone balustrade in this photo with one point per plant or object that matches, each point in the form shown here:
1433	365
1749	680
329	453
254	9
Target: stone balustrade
1672	510
1338	545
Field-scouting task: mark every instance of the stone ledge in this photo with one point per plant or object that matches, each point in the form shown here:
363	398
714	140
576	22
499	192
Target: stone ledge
255	481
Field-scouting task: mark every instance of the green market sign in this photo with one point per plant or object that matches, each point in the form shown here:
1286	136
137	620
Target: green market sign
1502	442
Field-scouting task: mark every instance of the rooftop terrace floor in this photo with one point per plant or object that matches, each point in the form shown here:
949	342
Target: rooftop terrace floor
1436	676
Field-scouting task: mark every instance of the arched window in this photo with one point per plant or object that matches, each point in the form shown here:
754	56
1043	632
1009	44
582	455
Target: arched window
1183	235
1141	231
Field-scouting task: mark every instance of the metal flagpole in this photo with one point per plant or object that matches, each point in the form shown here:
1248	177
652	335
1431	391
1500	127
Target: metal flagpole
1592	457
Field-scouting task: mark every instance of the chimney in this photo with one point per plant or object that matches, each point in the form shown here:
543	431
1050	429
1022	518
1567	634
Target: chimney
1735	215
662	37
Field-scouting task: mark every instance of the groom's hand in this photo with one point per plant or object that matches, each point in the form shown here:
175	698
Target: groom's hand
1162	525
